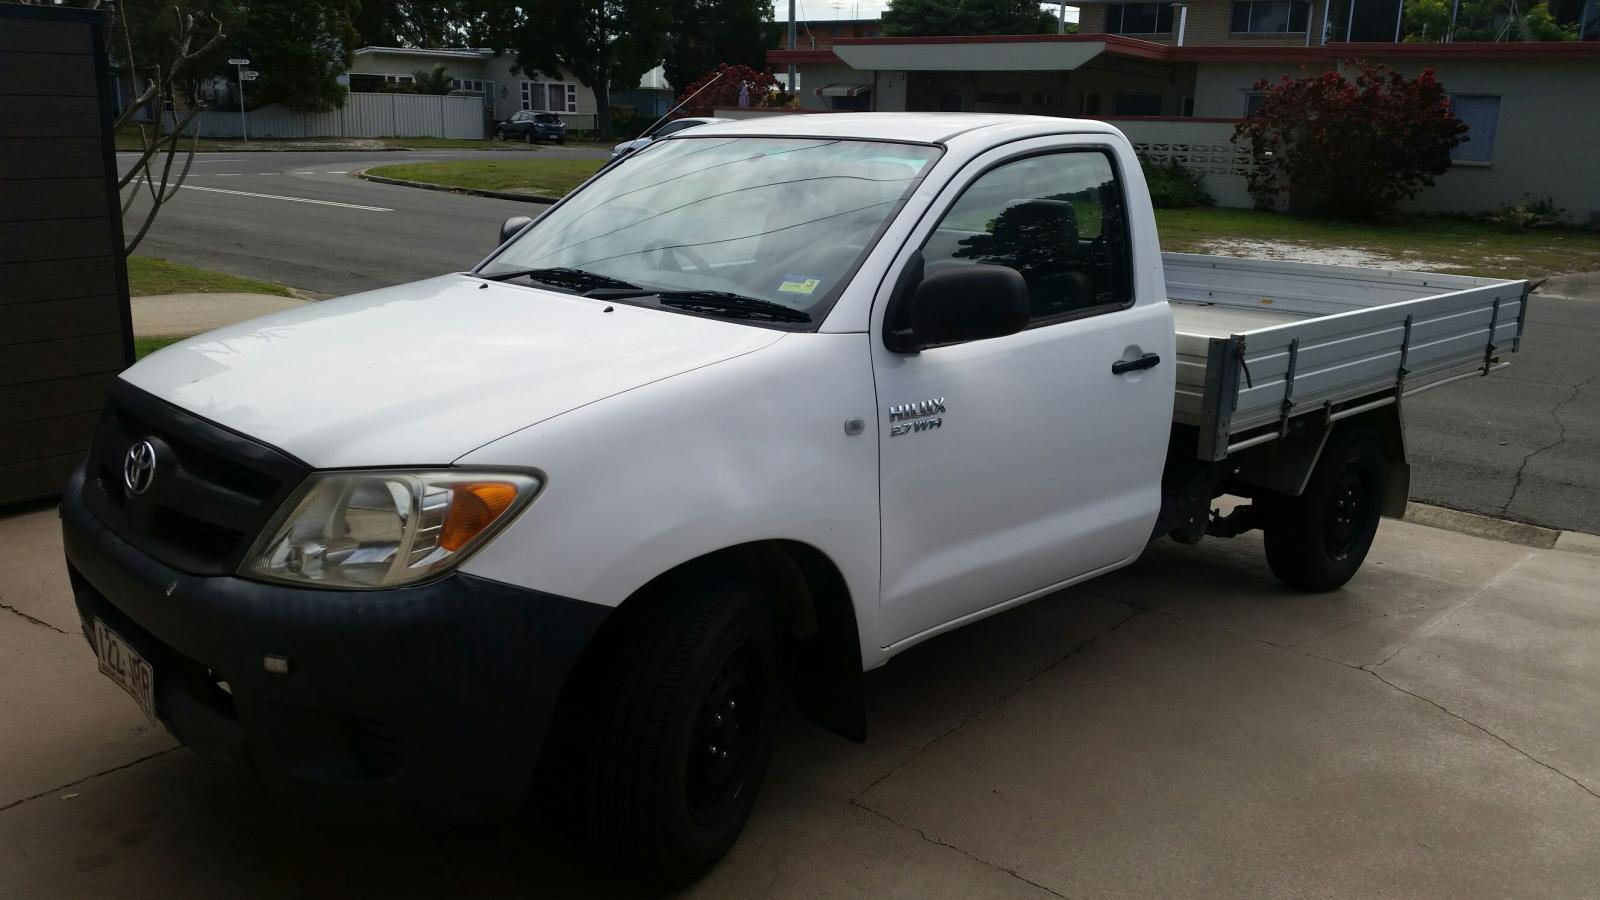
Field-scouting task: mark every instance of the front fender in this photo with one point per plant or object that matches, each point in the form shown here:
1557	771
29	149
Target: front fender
750	449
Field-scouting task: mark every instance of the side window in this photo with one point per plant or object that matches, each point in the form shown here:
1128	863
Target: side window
1056	218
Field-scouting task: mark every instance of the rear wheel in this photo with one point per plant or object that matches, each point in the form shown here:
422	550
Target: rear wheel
683	730
1317	541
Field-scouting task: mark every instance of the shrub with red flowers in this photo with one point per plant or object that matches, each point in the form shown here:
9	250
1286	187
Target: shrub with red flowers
763	90
1349	148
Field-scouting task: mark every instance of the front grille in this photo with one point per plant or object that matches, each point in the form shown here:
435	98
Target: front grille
212	492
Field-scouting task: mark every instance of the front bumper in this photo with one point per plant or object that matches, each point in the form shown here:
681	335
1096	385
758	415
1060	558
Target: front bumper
421	704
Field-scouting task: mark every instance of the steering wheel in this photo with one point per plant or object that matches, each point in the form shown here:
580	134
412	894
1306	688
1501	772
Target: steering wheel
666	252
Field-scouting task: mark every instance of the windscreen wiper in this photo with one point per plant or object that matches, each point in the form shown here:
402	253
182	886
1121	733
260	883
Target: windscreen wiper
724	303
576	280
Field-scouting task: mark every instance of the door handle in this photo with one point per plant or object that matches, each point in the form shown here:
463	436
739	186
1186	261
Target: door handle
1124	366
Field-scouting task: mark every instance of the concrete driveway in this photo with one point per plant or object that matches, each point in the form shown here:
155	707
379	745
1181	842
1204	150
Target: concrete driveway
1182	728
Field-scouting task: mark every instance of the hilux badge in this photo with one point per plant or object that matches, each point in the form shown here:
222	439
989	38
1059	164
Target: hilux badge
139	467
921	410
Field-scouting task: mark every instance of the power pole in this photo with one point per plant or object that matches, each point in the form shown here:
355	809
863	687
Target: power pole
790	85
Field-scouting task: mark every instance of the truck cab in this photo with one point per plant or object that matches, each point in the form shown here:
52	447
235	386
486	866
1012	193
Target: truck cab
750	412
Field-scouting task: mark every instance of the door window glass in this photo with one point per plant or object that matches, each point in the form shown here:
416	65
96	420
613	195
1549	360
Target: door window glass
1057	219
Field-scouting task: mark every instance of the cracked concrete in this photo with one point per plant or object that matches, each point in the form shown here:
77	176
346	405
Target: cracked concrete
1184	727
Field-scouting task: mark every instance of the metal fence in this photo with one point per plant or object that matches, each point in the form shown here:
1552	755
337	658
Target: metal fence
362	116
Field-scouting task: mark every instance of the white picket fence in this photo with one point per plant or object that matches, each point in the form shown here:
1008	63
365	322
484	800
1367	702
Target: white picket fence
362	116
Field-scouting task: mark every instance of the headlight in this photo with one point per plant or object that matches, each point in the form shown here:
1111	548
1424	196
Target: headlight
382	529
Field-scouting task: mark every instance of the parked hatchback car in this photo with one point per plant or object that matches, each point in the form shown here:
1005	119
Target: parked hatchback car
676	125
532	126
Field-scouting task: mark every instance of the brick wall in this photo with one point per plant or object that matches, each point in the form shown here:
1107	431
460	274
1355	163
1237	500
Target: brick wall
1209	23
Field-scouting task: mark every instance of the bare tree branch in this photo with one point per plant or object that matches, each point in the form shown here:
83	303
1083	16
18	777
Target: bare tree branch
161	87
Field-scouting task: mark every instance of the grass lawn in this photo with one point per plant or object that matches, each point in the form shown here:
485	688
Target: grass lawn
549	177
144	346
1422	242
148	275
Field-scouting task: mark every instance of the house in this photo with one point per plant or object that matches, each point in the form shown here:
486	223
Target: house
1177	78
480	73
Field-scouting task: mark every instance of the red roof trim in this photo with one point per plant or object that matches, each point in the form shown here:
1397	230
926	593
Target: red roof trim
1131	47
801	56
1471	49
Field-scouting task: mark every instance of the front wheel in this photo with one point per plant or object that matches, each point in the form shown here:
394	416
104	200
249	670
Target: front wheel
1318	540
683	729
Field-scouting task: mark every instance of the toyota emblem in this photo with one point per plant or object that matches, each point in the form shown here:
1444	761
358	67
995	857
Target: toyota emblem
139	467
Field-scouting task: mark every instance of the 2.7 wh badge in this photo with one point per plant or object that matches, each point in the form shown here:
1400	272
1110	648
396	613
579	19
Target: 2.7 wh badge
923	415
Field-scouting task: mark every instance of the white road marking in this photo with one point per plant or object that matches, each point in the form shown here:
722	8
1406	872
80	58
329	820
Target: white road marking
338	172
195	187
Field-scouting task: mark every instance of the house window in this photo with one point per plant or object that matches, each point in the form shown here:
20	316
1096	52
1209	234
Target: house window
1269	16
1253	101
1137	105
1481	114
1139	18
550	96
467	85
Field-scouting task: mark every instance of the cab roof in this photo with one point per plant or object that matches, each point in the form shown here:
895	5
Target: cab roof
926	128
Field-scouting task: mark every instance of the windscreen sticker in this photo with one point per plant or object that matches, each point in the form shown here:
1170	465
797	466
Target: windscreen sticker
798	284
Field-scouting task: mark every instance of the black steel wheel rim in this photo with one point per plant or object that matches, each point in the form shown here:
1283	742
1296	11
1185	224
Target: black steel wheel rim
1345	512
727	730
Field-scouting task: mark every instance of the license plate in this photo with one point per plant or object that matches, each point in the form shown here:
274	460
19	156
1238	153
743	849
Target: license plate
122	664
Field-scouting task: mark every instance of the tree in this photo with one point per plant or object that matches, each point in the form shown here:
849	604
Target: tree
1484	20
704	33
603	43
411	23
762	87
300	47
1350	148
435	81
906	18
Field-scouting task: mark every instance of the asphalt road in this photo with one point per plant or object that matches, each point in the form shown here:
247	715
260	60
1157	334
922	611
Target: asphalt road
305	220
1523	443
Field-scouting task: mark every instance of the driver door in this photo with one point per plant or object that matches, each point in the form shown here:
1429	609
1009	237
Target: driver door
1013	465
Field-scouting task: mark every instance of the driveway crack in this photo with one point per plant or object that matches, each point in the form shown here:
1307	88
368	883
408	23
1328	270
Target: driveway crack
1561	438
946	844
1513	747
87	778
37	621
1371	669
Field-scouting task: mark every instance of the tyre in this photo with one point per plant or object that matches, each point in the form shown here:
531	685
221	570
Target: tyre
1317	541
683	729
562	139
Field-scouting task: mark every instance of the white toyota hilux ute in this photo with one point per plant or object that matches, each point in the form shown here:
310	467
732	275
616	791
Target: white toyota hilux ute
748	413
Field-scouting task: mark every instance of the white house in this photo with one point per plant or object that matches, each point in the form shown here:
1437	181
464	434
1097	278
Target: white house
482	73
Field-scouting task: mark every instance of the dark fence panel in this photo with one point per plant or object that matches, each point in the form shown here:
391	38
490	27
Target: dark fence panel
65	329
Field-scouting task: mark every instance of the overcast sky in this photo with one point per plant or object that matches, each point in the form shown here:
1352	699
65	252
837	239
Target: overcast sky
855	9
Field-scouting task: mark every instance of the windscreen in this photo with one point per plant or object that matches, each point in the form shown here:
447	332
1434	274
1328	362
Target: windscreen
776	220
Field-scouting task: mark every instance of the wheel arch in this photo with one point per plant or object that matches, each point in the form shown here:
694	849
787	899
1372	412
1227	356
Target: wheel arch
819	608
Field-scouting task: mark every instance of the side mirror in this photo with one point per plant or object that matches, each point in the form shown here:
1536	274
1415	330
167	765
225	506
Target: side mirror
509	229
956	305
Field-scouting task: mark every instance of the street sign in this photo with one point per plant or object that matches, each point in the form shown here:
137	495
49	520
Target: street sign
249	76
238	62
